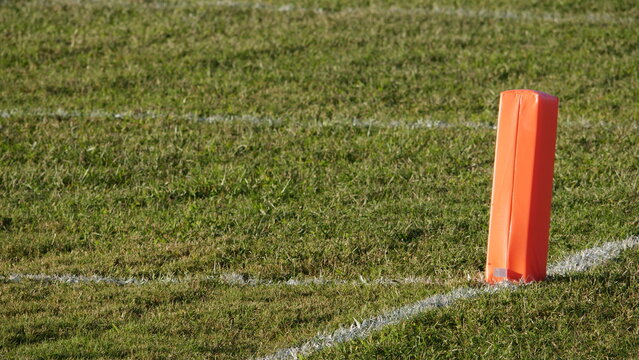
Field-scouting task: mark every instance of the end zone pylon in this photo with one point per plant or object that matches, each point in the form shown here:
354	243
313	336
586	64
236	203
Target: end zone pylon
522	186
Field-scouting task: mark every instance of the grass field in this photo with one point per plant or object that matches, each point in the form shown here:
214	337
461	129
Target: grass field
197	139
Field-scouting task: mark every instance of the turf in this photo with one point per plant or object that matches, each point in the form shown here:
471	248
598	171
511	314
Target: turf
317	162
194	320
304	65
580	316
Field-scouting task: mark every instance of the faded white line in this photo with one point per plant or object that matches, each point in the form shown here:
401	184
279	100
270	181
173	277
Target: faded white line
275	121
578	262
586	18
246	118
481	13
75	279
231	279
243	280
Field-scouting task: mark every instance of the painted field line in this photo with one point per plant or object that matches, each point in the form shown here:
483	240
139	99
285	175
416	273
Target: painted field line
578	262
275	121
586	18
575	263
515	15
230	279
247	118
589	258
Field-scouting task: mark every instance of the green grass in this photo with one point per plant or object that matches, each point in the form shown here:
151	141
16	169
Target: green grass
586	316
195	320
309	195
306	66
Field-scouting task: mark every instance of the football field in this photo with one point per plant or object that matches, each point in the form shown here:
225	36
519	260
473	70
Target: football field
231	180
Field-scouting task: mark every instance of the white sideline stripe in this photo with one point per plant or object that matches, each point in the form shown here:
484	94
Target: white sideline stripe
586	18
575	263
578	262
243	280
251	119
231	279
274	121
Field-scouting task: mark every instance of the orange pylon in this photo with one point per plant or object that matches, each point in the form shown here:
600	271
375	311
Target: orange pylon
522	187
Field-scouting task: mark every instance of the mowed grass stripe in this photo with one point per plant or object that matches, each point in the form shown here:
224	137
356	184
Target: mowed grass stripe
152	198
226	176
195	320
306	65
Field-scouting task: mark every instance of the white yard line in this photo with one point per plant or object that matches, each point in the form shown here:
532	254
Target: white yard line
586	18
274	121
243	280
76	279
230	279
578	262
515	15
250	119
